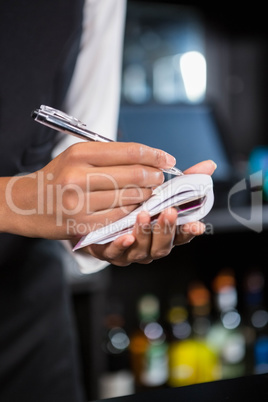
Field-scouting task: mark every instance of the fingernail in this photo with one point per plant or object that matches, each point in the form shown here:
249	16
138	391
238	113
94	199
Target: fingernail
143	219
170	161
214	165
128	241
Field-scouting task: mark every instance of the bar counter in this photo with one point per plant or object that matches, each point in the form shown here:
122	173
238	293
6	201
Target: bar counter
244	389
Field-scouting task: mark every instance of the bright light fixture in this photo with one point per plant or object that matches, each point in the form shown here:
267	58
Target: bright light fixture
194	74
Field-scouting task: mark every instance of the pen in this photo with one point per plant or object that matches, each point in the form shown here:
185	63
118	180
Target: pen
61	121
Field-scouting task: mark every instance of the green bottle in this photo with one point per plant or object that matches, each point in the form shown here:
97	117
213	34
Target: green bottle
148	346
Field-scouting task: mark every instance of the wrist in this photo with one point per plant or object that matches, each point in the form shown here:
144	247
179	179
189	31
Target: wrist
17	200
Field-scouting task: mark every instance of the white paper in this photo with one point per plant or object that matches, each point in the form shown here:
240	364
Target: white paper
191	194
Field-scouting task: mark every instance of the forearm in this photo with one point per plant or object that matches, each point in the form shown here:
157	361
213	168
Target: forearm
89	183
17	204
5	218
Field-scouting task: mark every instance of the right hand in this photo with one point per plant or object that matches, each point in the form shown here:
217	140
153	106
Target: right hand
147	243
87	185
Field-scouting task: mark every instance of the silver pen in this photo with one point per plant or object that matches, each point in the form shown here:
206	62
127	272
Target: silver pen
61	121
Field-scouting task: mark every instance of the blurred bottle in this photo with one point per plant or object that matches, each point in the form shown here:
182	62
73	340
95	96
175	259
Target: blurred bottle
191	359
261	355
117	379
148	346
256	322
226	335
177	319
200	307
179	331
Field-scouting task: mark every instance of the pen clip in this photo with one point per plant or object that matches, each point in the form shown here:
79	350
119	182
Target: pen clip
50	111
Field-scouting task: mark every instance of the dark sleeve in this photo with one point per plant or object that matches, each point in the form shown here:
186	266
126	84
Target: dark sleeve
39	42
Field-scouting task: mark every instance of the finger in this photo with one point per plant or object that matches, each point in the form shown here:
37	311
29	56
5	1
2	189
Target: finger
82	223
101	200
119	153
187	232
164	233
113	252
111	178
205	167
140	250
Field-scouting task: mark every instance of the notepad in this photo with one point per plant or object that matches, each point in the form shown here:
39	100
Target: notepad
192	195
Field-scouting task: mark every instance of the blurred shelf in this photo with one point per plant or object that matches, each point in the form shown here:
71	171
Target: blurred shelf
241	219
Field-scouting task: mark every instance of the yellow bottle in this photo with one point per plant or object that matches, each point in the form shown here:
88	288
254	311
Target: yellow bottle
192	360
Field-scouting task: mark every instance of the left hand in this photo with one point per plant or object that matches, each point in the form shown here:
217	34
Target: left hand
146	244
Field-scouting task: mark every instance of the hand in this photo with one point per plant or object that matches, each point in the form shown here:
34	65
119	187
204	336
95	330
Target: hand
187	232
89	184
146	244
